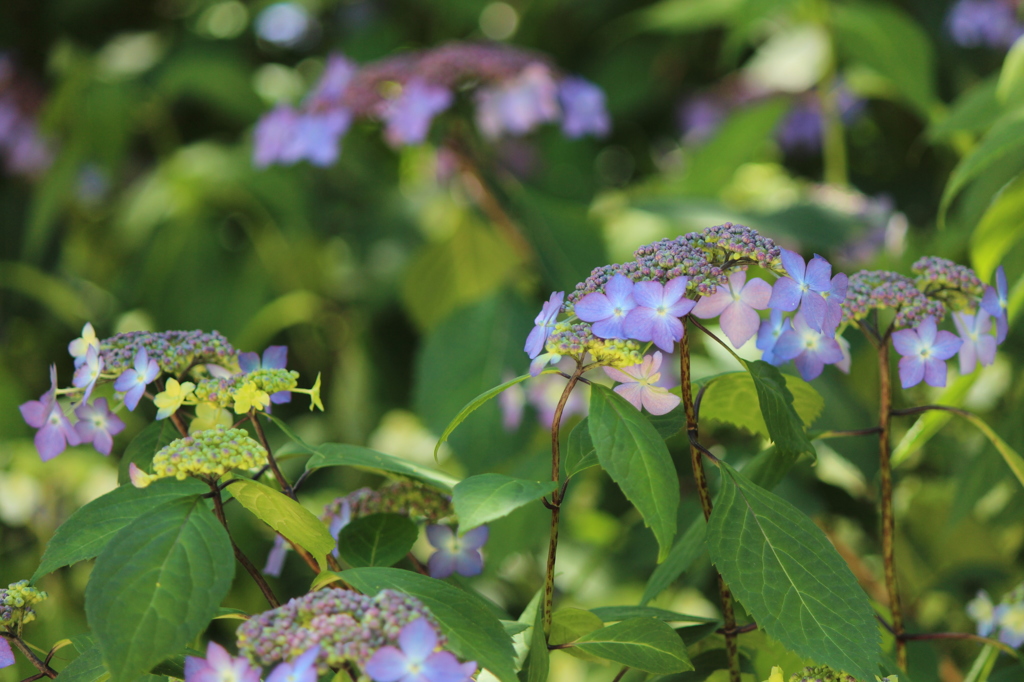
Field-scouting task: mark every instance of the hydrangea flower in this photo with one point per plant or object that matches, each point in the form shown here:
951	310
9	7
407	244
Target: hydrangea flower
982	610
925	351
638	385
737	304
607	311
170	399
133	382
803	288
88	372
316	137
1011	623
996	302
456	554
544	323
249	396
768	335
583	108
209	453
209	416
80	346
302	669
98	425
274	357
984	23
6	654
656	317
418	659
978	343
220	666
55	431
519	104
409	115
809	348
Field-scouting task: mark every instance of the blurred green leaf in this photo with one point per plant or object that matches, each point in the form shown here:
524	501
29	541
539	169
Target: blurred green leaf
1000	229
342	454
145	445
687	16
684	552
642	643
930	423
216	78
483	498
284	515
377	540
611	614
973	111
1010	87
726	399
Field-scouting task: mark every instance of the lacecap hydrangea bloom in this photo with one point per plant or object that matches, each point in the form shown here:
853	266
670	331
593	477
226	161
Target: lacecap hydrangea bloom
206	454
16	602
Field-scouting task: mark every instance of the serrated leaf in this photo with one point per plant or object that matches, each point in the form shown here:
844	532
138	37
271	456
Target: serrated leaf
643	643
790	578
784	425
141	449
480	499
635	457
88	667
473	631
682	555
90	528
728	397
579	450
377	540
286	516
157	585
342	454
611	614
569	624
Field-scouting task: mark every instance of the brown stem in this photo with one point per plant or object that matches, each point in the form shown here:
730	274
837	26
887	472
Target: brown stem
888	521
286	487
925	408
910	637
749	627
179	424
621	674
697	463
42	667
556	496
846	434
218	510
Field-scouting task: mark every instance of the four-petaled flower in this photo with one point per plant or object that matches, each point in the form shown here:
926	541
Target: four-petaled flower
170	399
409	115
996	302
607	312
417	660
804	288
978	343
98	425
88	372
80	346
210	416
250	396
809	348
274	357
544	323
738	304
55	431
1011	623
220	666
302	669
656	317
133	382
768	335
982	610
925	351
638	385
456	554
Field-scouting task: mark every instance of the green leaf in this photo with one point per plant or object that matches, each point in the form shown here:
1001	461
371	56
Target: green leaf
974	111
579	451
1010	86
669	424
473	631
643	643
1009	455
682	555
1000	229
635	457
157	585
142	448
286	516
930	423
569	624
777	407
728	397
537	664
88	667
377	540
768	467
790	578
686	16
342	454
611	614
483	498
88	530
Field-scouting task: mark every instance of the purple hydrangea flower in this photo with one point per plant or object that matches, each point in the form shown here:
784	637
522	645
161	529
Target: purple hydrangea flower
302	669
996	302
583	108
982	610
518	105
834	297
984	23
847	361
925	351
220	666
803	288
978	343
809	348
408	116
656	317
316	137
133	382
417	660
98	425
545	322
276	556
88	373
545	391
738	305
638	385
608	311
333	83
274	357
1011	623
456	554
272	135
768	335
55	431
6	654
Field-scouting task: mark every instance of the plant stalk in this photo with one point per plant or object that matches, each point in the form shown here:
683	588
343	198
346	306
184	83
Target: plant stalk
43	668
888	521
697	462
218	510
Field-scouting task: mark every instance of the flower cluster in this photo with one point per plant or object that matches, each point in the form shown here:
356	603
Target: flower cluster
134	360
821	673
515	91
23	148
870	290
408	498
985	23
348	627
1006	619
955	285
16	602
206	454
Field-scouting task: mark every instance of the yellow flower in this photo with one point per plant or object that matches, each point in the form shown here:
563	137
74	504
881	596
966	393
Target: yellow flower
776	675
314	395
249	396
173	395
208	416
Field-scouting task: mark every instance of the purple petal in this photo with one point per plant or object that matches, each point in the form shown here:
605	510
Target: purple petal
659	401
535	341
442	666
789	345
794	264
441	564
249	362
713	305
609	328
648	294
619	292
968	358
639	323
680	308
987	349
417	640
50	442
594	307
946	345
275	357
785	295
34	412
619	375
814	309
6	654
819	274
740	323
476	537
469	562
133	396
911	370
439	536
809	365
387	664
906	342
935	372
275	557
676	288
666	332
632	393
926	331
756	293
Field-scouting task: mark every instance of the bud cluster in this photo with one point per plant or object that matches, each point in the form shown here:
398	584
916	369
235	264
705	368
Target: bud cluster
821	673
408	498
16	602
957	286
880	289
347	626
174	351
209	453
222	391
